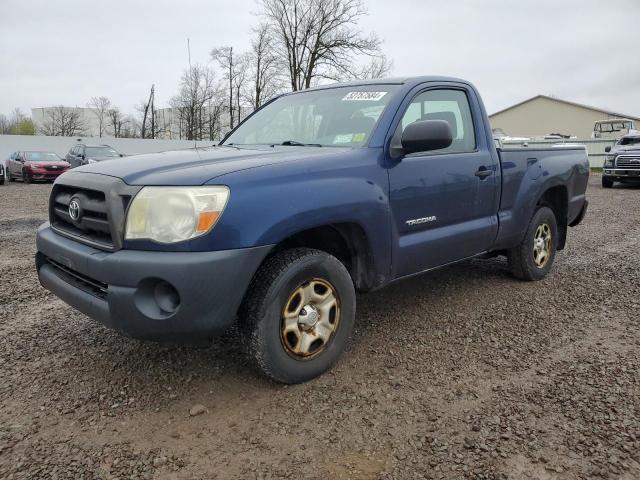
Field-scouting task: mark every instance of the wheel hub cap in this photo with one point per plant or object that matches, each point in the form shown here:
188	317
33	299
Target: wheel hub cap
310	318
542	245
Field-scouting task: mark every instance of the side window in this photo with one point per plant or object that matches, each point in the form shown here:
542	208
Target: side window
451	106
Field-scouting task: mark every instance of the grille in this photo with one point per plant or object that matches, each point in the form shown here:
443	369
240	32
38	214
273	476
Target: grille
102	201
53	168
624	161
93	224
89	285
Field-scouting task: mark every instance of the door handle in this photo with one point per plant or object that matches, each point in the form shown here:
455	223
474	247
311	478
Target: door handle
483	172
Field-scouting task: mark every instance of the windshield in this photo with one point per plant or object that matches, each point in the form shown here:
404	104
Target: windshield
100	152
612	126
335	117
629	141
42	157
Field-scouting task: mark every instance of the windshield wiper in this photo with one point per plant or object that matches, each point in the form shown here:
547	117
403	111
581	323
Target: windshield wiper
295	143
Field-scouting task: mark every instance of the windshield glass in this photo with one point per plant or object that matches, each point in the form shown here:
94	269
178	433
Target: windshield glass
629	141
335	117
100	152
42	157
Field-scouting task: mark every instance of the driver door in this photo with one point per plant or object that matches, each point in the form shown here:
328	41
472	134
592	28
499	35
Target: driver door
443	201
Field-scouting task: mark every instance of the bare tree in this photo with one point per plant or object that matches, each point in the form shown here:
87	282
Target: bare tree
63	121
100	107
197	90
5	125
215	108
116	121
149	126
17	124
378	67
265	74
130	127
239	84
318	38
224	57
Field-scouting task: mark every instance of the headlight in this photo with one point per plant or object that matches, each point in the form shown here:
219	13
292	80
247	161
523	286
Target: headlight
174	214
91	160
608	160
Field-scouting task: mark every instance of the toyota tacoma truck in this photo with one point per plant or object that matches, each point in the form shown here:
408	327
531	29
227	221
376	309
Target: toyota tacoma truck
622	162
316	195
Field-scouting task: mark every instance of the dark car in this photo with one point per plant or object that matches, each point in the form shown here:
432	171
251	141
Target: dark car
82	154
3	175
622	162
32	166
316	195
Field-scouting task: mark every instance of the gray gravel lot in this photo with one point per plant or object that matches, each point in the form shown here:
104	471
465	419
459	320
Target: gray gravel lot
462	373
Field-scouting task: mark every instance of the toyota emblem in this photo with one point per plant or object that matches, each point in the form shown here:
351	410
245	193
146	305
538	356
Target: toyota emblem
74	210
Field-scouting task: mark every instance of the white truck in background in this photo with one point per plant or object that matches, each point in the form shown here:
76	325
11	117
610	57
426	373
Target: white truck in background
614	129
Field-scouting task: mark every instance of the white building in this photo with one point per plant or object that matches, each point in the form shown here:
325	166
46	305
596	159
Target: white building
87	119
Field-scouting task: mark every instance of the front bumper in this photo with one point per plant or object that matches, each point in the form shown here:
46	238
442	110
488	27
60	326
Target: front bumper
164	296
45	175
621	174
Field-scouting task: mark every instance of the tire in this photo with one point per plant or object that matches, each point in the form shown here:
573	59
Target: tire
607	182
2	179
9	176
525	261
25	178
294	280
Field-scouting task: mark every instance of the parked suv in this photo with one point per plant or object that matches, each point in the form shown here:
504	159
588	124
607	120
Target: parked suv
622	161
82	154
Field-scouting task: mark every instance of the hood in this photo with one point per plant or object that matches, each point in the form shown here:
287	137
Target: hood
198	166
99	158
626	148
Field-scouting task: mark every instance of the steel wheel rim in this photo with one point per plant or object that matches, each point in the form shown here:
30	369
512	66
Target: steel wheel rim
542	245
310	318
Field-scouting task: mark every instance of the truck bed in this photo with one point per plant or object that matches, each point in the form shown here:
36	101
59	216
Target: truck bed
526	172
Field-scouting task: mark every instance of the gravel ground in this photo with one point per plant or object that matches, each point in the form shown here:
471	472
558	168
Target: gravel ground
462	373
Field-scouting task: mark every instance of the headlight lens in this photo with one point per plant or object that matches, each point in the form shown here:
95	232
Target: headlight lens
608	160
175	214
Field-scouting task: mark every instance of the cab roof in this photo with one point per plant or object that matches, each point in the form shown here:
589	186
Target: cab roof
408	81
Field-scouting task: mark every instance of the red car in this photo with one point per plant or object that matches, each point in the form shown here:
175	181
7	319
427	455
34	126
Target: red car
32	166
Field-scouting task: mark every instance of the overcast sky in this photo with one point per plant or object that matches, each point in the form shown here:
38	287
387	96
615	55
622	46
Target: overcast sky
64	52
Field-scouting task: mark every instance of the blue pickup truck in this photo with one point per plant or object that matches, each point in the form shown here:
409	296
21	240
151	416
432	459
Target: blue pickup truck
315	196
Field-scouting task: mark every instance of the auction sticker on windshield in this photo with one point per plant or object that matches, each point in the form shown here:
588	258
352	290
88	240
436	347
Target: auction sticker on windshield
363	96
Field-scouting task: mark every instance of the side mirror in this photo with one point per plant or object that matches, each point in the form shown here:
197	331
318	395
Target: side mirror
607	149
426	135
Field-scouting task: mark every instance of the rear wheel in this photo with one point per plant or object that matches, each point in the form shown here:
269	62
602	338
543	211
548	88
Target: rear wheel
533	258
607	182
298	314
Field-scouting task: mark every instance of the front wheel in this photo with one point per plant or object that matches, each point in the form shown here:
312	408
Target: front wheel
26	178
533	258
298	314
607	182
